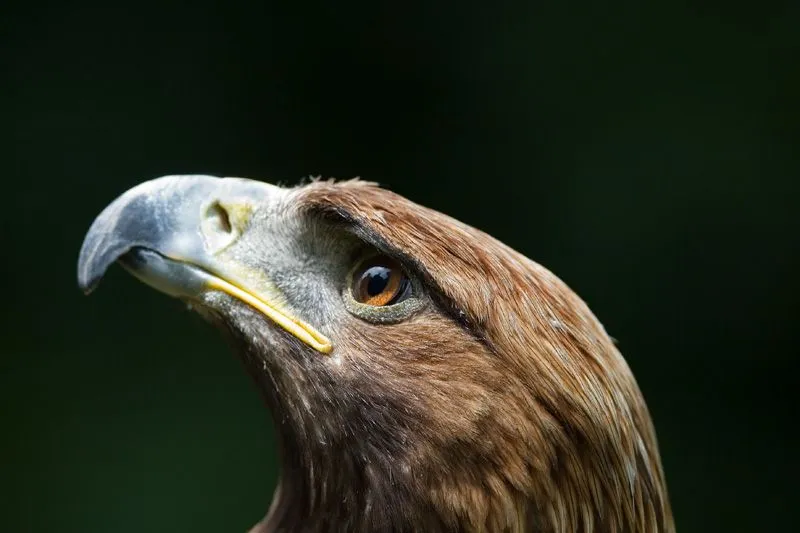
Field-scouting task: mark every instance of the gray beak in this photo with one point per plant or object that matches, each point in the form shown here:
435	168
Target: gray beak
179	217
169	233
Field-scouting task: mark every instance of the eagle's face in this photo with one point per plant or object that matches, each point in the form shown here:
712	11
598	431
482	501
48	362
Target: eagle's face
420	374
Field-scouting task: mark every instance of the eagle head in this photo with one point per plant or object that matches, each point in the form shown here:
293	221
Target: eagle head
422	375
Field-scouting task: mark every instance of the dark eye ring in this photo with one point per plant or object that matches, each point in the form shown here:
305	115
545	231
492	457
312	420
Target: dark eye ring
380	281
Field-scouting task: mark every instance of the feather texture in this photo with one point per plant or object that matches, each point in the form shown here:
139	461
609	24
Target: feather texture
524	416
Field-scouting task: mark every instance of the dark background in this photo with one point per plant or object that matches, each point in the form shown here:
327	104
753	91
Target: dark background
647	155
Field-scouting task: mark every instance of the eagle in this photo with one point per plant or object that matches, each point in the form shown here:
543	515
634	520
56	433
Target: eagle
421	375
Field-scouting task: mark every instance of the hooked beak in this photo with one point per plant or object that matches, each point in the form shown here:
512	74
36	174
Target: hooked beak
169	233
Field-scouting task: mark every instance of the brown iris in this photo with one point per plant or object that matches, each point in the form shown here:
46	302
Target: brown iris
380	281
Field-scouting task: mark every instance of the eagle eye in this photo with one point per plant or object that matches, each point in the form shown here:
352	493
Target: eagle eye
380	281
379	290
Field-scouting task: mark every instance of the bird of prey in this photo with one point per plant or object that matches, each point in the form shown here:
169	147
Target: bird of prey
422	375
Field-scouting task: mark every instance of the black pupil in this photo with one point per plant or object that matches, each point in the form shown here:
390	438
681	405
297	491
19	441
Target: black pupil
377	279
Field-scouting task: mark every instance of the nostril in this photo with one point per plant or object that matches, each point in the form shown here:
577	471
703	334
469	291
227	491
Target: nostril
217	218
219	227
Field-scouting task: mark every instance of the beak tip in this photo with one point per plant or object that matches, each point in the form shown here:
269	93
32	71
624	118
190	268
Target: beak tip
91	265
87	287
86	282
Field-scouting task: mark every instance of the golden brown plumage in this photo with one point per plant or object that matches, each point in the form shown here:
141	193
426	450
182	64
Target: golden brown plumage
501	404
558	434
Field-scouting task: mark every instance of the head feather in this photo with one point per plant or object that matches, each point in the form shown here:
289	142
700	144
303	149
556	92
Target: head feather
556	437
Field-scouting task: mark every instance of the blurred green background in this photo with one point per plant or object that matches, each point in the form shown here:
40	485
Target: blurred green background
645	152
